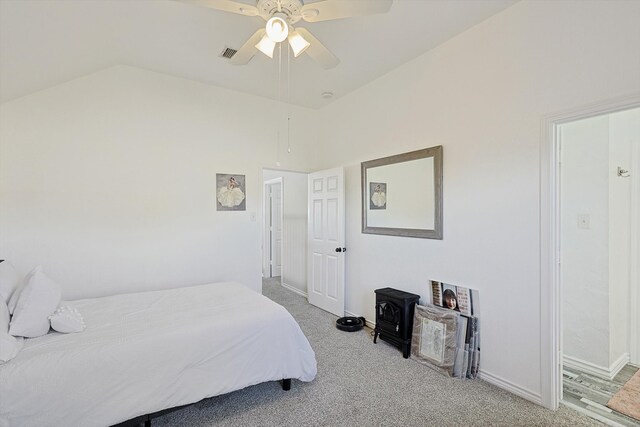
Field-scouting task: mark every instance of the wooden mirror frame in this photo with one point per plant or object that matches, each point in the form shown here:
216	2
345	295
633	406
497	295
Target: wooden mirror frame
436	233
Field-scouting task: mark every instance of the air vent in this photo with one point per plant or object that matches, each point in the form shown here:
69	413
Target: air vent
228	53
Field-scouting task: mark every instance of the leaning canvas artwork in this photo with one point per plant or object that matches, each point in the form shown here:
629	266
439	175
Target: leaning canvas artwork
230	192
378	195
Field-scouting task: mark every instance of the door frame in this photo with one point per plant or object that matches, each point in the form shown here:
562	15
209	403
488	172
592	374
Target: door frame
634	252
550	285
266	232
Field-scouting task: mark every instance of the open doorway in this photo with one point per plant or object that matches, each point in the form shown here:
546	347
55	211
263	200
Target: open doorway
597	220
284	236
272	247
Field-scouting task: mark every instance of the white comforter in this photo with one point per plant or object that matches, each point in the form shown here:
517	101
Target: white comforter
145	352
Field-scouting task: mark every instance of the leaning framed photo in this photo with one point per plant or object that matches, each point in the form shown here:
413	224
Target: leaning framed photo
434	338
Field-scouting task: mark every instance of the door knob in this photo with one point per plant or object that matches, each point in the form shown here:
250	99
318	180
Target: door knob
341	249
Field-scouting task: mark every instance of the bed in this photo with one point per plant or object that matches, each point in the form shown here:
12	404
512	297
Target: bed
145	352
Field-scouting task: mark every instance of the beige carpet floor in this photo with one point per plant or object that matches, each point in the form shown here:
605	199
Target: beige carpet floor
361	384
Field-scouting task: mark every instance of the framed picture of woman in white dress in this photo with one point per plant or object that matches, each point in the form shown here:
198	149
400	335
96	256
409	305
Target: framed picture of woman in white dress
230	192
378	195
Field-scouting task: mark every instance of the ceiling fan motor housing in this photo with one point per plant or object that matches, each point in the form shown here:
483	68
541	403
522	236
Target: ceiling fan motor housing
291	8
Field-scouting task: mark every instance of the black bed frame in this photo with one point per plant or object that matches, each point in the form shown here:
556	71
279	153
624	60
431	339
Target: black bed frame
146	419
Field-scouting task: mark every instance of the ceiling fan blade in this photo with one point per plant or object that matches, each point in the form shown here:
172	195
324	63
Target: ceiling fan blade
248	49
225	5
317	51
325	10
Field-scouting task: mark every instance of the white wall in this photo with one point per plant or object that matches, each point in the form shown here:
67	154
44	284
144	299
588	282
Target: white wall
596	262
108	181
585	251
294	227
482	96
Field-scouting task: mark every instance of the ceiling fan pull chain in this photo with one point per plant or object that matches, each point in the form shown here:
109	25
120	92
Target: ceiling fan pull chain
288	99
288	135
280	72
288	79
279	99
278	149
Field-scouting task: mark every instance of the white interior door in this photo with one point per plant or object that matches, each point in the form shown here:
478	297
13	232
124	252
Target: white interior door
326	244
276	229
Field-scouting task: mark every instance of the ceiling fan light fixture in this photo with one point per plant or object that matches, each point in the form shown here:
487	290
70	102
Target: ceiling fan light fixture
298	43
266	46
277	28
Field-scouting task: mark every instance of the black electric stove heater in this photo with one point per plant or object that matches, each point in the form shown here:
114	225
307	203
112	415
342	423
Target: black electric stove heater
394	317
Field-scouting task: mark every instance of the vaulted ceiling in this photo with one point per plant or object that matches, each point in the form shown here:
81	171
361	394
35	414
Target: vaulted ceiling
44	43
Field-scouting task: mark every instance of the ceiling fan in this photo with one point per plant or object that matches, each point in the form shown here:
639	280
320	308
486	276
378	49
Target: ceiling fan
282	14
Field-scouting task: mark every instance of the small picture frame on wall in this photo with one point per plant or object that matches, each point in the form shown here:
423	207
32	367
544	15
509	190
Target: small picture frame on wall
230	192
377	195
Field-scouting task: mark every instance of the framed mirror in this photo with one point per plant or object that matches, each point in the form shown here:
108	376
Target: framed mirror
402	194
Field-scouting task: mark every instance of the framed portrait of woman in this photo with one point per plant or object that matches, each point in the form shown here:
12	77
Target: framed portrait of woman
378	195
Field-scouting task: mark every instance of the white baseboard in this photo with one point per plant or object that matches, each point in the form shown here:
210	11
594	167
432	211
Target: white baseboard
596	370
617	366
368	323
511	387
294	289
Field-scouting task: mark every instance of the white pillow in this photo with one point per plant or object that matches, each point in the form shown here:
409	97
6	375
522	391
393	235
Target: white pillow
13	301
9	346
67	320
9	281
38	300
